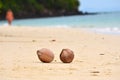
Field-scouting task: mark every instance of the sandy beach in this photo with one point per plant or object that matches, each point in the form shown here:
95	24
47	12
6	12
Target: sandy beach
97	56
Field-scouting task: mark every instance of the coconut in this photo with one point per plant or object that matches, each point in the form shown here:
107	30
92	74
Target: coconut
45	55
66	55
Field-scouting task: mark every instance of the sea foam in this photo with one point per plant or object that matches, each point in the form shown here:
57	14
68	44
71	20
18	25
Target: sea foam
107	30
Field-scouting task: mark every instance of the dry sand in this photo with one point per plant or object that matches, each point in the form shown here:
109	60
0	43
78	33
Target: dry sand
97	56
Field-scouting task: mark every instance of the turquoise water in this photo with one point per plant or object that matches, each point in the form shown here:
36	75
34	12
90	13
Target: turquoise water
109	22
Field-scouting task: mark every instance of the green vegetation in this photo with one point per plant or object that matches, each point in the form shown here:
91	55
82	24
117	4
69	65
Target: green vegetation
38	7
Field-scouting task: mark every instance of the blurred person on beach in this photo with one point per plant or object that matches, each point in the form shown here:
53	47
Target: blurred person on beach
9	16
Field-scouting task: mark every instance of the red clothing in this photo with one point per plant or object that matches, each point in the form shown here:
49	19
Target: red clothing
9	16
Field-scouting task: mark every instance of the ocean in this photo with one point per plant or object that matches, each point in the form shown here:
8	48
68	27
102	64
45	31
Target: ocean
104	22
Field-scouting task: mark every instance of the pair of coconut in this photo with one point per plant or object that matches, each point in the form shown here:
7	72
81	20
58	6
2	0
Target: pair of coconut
45	55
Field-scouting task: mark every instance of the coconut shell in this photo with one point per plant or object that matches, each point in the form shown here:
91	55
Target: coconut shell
45	55
66	56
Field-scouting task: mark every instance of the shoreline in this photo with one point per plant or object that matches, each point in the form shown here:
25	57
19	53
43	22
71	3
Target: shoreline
102	30
97	24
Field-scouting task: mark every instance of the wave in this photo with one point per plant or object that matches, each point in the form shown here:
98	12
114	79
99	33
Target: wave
94	28
107	30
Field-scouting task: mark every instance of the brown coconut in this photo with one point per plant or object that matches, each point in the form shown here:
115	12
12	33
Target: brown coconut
66	56
45	55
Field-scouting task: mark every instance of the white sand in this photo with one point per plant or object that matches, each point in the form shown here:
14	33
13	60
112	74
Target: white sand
97	56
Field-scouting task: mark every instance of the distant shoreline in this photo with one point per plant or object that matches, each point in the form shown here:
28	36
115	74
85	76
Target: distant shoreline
56	15
59	15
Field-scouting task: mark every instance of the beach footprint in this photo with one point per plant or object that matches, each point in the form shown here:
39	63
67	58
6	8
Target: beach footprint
95	73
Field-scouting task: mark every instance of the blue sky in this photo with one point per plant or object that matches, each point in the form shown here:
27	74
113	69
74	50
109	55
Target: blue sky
99	5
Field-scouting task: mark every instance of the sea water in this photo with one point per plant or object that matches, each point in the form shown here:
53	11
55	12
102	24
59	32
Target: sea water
104	22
